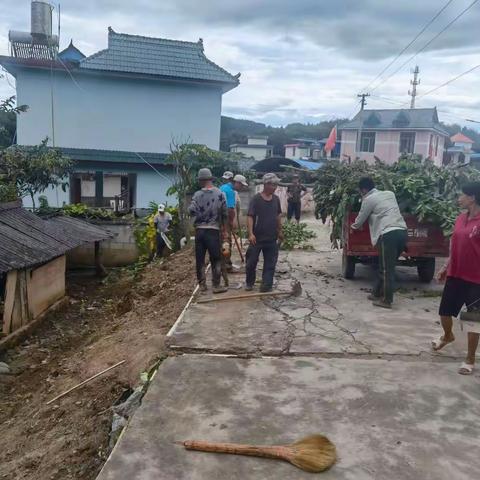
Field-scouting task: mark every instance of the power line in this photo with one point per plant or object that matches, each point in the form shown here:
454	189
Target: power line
448	82
427	44
404	49
402	104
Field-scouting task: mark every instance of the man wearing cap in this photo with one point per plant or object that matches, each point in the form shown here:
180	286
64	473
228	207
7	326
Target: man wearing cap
232	185
295	193
264	230
229	191
162	222
209	210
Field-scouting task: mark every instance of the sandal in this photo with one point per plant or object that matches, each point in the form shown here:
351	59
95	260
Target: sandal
440	343
465	369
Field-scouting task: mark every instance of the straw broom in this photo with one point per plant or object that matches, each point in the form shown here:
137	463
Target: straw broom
315	453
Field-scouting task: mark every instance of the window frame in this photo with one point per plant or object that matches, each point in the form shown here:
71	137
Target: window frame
372	138
409	141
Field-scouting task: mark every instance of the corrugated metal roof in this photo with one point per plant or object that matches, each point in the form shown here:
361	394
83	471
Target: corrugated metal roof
27	240
396	119
157	56
309	165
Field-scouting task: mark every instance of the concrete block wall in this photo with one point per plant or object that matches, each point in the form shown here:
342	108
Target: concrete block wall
120	251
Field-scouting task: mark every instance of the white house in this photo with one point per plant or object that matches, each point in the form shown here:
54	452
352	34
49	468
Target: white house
257	147
461	151
386	134
116	112
305	148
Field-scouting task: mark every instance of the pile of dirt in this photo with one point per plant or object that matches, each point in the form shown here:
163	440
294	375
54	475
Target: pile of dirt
121	318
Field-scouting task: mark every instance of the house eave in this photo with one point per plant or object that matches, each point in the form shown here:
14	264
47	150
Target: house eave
12	65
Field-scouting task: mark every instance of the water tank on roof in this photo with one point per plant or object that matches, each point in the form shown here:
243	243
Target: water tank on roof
41	19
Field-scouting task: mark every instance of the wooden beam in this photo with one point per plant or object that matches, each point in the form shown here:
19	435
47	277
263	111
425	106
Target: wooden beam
10	288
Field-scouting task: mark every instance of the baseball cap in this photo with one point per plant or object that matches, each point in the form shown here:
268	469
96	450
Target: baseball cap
270	178
161	207
205	174
241	179
227	175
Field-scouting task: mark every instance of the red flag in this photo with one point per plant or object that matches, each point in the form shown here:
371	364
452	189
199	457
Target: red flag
332	140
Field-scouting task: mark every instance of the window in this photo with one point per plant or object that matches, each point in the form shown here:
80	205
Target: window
436	145
367	142
407	142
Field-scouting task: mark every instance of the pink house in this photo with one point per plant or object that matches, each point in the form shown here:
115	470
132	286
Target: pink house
386	134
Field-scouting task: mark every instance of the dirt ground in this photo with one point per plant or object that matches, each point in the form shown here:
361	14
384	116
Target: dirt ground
120	318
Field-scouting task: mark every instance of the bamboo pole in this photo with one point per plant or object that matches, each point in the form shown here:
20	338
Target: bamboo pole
85	382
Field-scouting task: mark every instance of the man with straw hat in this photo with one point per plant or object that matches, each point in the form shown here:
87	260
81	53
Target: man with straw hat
264	230
209	210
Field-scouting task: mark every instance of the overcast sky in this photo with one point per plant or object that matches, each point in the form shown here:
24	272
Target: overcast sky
300	60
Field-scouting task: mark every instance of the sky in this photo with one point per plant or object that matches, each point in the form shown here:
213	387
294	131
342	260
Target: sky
300	61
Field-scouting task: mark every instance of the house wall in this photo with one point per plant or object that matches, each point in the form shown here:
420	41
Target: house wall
257	141
299	153
348	144
45	285
387	146
258	153
119	251
30	292
116	113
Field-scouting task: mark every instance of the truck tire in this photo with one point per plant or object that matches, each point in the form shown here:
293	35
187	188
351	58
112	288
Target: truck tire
426	269
348	266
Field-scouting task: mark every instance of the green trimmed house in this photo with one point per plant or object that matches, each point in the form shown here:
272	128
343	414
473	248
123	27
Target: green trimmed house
116	112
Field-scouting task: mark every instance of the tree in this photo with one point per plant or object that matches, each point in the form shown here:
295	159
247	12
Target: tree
32	170
187	159
8	105
8	120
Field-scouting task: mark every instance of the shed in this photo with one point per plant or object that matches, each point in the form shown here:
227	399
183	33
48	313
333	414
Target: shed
32	260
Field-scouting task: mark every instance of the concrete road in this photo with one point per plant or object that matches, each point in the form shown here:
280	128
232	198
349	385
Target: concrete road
333	315
325	362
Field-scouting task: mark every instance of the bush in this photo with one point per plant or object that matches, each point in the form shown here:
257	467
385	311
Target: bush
296	235
81	210
145	232
421	188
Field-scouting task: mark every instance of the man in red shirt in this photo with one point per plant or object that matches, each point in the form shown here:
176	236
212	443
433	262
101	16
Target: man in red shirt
462	274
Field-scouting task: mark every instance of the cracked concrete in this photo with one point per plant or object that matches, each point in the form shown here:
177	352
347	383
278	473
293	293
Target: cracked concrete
394	409
331	317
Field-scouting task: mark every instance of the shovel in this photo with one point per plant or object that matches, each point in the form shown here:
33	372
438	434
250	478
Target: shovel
296	291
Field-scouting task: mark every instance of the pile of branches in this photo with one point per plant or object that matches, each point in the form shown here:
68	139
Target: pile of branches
422	189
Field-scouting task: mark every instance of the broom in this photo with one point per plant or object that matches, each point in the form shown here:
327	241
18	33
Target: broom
315	453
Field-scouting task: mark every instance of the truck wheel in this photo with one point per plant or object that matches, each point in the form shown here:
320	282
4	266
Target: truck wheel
348	266
426	269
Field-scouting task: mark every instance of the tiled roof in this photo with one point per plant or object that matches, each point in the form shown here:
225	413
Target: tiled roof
395	119
26	240
96	155
461	138
159	57
71	53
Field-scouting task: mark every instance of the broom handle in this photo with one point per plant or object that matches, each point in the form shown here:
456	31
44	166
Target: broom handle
279	452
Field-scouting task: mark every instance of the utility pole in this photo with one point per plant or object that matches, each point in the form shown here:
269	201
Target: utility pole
414	83
363	100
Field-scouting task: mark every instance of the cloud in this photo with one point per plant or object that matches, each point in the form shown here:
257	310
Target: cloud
300	60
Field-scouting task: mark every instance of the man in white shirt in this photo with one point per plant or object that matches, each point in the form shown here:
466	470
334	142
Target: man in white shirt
162	222
388	232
